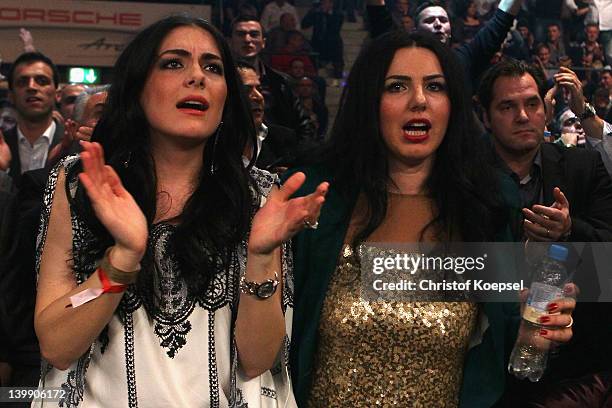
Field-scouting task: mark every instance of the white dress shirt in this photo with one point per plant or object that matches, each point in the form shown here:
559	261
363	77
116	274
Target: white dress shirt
34	156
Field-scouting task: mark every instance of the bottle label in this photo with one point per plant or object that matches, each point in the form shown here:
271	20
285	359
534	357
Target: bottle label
540	295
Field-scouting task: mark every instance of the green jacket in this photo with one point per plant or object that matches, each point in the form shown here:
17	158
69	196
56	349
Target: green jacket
315	256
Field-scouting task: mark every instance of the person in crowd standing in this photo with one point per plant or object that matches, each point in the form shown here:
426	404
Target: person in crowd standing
160	261
66	98
32	80
276	145
276	38
554	40
283	107
326	22
566	195
432	18
272	12
404	166
467	23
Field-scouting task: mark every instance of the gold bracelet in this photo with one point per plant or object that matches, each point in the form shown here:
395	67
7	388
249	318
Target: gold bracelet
117	275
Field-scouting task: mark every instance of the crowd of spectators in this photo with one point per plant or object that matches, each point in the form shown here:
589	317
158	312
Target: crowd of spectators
549	34
44	120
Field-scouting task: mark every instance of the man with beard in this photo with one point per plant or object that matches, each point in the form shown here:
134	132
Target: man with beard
430	17
275	144
32	81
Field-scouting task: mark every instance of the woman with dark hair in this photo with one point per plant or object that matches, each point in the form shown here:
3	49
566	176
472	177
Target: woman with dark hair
405	165
150	284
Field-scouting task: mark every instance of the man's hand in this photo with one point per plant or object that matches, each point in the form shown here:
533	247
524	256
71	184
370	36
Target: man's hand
549	103
57	116
510	6
5	154
550	224
27	40
568	79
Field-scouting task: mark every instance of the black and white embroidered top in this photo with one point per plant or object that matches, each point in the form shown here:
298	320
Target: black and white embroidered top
185	354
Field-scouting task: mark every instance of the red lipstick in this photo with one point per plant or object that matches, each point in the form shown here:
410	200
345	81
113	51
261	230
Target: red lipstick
416	130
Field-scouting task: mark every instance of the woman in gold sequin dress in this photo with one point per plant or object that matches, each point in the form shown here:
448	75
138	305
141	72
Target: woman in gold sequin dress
405	166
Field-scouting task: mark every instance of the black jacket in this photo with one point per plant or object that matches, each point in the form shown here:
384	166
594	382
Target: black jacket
474	56
278	148
13	143
283	107
582	177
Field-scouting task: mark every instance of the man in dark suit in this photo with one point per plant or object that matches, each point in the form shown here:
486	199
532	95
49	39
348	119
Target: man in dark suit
276	145
566	195
282	106
32	81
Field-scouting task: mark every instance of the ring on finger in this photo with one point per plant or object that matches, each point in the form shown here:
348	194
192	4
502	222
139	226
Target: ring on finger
571	323
547	233
311	225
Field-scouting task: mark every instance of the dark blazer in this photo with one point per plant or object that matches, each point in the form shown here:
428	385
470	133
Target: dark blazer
278	148
13	142
19	224
315	256
581	175
282	106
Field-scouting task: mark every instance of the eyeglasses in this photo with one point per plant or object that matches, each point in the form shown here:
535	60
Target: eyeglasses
571	121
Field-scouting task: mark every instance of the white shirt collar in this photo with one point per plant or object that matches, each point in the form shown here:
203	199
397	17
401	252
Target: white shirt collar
47	134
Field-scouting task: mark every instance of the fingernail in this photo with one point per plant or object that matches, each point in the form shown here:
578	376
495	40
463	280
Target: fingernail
543	332
553	306
544	319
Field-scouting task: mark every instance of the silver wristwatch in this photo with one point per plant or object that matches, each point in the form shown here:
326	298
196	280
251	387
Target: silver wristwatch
261	290
589	112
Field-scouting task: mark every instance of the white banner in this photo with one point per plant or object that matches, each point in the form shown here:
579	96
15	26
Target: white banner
80	32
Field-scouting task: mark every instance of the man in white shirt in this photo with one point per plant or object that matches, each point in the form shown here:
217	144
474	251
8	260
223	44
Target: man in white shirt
32	80
270	17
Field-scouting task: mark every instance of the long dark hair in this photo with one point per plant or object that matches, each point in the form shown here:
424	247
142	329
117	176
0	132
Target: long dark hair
462	182
216	216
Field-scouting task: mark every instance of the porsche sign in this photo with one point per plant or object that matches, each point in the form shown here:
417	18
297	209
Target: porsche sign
80	32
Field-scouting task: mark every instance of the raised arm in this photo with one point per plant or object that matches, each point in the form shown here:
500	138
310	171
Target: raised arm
379	18
66	332
275	223
593	125
477	54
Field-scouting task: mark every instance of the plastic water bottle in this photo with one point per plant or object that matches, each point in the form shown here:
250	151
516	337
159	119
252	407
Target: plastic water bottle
530	353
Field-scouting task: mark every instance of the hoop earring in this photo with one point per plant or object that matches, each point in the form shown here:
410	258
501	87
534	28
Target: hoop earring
213	167
126	163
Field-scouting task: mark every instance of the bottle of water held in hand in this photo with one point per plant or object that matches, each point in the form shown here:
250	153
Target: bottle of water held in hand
530	352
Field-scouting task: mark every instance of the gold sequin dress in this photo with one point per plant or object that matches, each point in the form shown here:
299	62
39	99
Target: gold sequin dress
389	354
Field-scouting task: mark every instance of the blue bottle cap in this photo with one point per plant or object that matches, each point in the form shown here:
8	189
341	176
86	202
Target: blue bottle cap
558	252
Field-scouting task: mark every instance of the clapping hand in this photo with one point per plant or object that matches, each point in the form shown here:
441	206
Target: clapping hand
282	217
548	223
114	205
